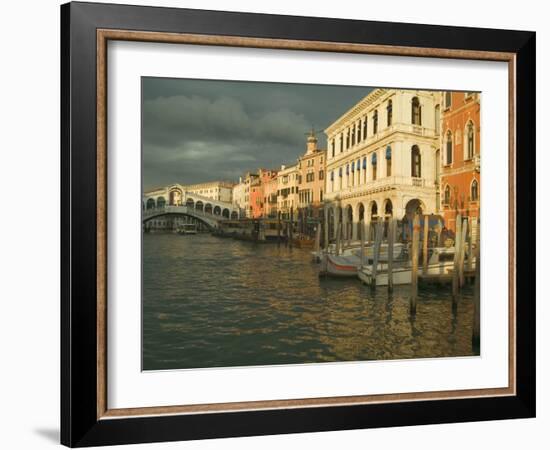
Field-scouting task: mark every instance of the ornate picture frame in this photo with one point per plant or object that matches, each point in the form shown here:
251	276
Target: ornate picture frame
86	418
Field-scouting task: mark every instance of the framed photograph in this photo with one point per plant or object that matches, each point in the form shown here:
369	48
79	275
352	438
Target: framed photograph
276	224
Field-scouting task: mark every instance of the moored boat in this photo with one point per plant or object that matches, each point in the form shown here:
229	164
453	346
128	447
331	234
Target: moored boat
440	262
348	262
187	228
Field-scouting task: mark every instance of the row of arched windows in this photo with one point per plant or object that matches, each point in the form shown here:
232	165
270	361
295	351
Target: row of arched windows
355	172
359	130
474	193
469	143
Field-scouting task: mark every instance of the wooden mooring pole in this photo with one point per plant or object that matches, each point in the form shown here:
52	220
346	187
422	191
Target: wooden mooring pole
458	239
376	250
326	229
338	238
362	248
391	239
414	262
318	238
291	226
462	252
279	227
367	233
425	236
476	321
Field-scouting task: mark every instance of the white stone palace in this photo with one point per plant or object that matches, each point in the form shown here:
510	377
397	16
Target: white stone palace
382	157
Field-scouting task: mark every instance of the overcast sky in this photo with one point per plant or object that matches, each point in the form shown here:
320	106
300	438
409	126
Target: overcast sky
198	130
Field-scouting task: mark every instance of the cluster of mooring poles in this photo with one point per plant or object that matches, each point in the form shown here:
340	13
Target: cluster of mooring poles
463	261
466	251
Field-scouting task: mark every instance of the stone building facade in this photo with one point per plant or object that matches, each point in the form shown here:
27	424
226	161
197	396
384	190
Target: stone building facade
311	177
460	163
270	196
216	190
382	159
287	190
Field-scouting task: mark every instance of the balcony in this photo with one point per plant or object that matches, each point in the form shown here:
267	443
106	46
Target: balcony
382	184
408	128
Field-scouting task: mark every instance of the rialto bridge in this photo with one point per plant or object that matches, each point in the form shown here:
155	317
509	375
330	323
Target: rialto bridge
175	201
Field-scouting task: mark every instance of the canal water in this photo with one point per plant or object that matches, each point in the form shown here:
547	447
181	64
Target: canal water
215	302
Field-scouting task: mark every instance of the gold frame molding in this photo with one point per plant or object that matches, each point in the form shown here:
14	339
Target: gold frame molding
105	35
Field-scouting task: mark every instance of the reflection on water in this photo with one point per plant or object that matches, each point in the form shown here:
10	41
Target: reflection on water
211	302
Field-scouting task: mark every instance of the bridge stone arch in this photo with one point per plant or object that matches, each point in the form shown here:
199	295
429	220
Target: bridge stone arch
209	220
175	196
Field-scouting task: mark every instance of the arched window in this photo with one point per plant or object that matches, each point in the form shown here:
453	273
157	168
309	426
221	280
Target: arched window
332	147
373	210
389	111
375	122
347	138
470	140
388	209
448	99
374	165
365	123
359	131
341	142
449	148
388	161
474	191
415	162
353	135
447	195
416	112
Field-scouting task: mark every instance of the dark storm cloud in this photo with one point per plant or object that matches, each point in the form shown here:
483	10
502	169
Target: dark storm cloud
197	130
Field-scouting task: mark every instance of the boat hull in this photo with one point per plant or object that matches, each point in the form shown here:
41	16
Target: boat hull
401	275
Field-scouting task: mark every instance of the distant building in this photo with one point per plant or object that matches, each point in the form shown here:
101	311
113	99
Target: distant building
270	195
287	187
258	188
256	204
460	165
242	192
216	190
239	196
382	158
311	177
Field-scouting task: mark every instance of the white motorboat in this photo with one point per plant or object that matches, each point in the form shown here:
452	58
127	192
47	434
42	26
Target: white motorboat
440	262
348	263
187	228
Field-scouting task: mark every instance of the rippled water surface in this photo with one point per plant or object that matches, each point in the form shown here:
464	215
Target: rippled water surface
211	302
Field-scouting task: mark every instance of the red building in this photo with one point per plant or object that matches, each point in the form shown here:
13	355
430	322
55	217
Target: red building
257	192
460	157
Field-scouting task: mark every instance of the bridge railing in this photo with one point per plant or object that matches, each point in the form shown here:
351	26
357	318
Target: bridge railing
204	199
180	209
